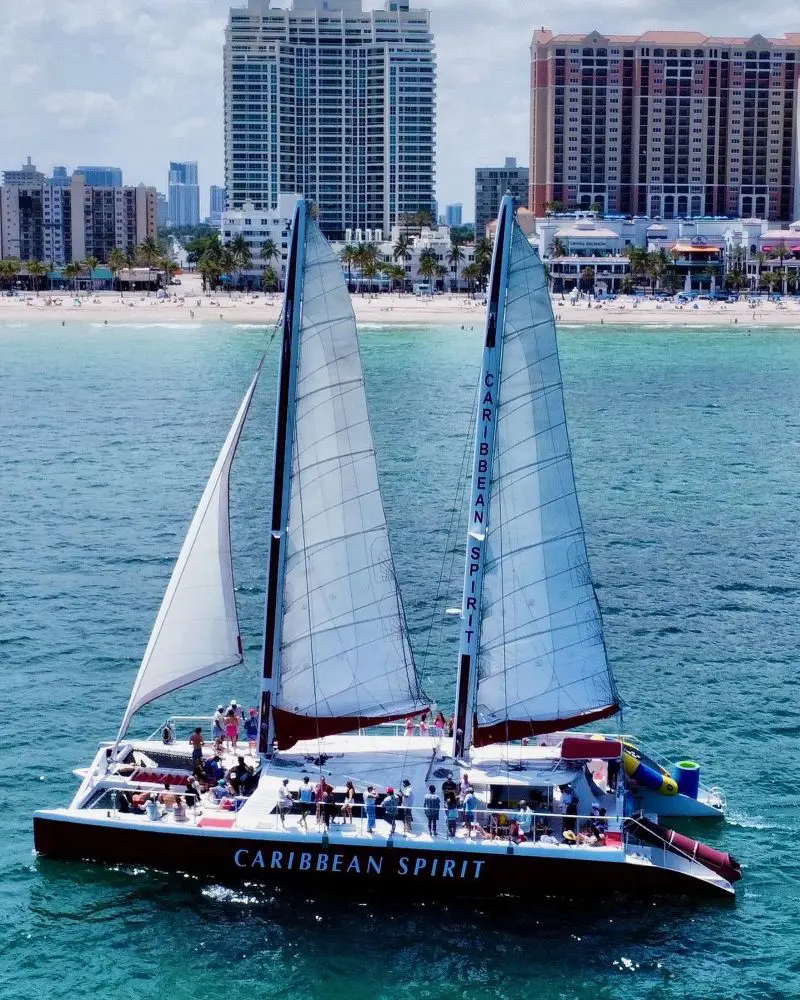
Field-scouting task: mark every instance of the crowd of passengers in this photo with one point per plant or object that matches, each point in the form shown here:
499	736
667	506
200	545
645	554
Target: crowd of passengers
456	803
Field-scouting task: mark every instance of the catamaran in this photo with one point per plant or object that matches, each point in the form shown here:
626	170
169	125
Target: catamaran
516	802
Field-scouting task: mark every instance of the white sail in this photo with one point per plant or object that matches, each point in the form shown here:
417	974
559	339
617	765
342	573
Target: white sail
197	629
542	658
344	654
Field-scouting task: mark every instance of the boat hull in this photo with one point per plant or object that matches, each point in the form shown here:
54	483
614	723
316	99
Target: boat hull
440	869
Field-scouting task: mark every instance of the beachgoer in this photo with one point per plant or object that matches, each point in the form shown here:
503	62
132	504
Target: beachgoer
218	728
285	802
370	802
306	797
390	810
251	730
432	805
197	742
407	793
349	802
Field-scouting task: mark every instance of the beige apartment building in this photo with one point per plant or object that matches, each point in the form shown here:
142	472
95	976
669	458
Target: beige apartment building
676	124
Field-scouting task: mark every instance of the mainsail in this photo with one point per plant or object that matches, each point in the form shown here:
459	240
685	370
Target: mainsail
541	657
196	633
341	659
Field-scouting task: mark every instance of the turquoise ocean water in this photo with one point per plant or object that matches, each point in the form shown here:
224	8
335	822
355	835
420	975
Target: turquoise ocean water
687	453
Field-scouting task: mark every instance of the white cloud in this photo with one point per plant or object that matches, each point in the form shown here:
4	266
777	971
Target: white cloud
80	109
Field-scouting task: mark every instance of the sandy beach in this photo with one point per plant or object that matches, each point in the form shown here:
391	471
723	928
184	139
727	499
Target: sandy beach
188	304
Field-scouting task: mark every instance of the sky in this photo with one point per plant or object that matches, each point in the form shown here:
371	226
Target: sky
137	83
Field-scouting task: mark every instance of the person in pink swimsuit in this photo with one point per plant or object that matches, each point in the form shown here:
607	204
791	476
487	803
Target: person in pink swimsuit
232	728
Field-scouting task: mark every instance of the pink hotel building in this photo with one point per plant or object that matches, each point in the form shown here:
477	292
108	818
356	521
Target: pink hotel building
668	123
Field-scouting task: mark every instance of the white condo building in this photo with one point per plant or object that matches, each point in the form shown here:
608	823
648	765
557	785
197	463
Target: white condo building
335	102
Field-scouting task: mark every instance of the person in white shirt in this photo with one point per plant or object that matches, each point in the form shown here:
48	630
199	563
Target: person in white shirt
285	801
525	818
547	837
407	793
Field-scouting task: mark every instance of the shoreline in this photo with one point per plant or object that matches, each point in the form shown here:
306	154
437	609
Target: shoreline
187	305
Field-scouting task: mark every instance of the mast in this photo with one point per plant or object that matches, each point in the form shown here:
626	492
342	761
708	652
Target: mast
282	464
481	481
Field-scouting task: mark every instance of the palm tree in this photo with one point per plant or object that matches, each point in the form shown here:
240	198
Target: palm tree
455	256
117	261
72	272
401	251
638	257
587	277
349	257
148	254
367	260
9	268
89	264
170	269
241	252
269	279
472	273
558	248
483	255
396	273
428	264
36	270
227	262
780	252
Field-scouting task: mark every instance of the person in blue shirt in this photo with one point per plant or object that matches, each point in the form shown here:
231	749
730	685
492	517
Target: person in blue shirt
370	801
470	808
251	730
214	769
306	799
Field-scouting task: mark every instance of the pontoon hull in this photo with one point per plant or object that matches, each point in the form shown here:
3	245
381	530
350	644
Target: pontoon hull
442	870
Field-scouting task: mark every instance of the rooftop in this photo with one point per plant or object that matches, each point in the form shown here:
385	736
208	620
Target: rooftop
543	36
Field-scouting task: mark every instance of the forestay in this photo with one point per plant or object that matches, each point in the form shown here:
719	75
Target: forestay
542	661
197	629
345	660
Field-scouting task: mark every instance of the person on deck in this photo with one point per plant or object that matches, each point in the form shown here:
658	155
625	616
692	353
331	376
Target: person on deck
167	798
152	810
432	805
214	769
349	802
285	801
390	810
547	837
470	808
571	812
410	726
239	776
407	793
525	818
232	728
251	730
218	728
319	795
328	806
451	809
449	787
370	803
306	798
179	812
464	788
439	724
197	742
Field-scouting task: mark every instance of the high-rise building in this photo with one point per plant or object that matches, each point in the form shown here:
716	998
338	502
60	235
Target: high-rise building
27	174
491	183
162	211
50	222
101	176
452	214
668	123
60	177
216	204
184	194
335	102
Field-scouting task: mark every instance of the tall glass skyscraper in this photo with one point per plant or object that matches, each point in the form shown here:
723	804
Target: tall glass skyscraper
183	197
101	176
334	102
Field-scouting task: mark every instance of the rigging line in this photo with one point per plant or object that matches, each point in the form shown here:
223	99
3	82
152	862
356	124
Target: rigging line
455	514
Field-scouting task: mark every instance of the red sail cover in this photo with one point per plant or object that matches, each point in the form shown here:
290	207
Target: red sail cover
291	728
584	748
518	729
